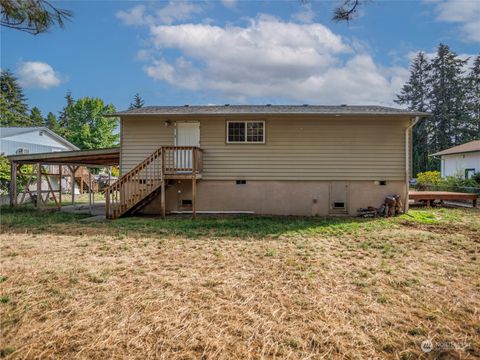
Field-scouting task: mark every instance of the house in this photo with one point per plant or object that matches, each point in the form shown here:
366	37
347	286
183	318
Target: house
18	141
463	160
264	159
31	140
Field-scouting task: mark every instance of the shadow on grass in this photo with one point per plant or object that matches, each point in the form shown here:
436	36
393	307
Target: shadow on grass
254	227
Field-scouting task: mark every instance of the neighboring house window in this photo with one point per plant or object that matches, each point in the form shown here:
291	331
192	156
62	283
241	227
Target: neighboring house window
469	173
21	151
246	132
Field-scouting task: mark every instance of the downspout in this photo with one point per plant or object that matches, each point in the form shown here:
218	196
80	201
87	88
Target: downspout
407	161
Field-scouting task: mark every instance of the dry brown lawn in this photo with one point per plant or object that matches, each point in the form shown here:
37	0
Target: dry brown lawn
373	292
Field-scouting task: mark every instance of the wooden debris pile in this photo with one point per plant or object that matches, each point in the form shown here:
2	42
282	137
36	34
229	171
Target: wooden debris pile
391	206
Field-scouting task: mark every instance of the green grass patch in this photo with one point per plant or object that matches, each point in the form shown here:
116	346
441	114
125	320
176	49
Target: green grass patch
31	219
247	227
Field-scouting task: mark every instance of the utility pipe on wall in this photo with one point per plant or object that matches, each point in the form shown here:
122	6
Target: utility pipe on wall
407	160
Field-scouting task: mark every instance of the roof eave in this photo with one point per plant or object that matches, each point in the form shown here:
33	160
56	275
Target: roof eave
441	153
421	114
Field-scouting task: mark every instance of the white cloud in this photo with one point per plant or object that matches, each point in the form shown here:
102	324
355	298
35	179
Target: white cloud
173	12
464	12
134	16
229	3
267	58
306	15
35	74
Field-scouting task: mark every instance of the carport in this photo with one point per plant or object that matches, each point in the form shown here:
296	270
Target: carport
66	163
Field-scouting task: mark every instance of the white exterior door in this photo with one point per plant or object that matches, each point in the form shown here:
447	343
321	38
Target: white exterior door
187	134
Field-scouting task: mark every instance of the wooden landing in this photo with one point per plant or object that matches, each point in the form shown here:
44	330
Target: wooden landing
430	196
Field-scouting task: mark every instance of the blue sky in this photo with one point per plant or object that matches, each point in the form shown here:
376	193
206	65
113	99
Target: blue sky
215	52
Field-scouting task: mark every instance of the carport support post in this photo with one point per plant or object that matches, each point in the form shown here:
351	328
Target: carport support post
73	169
39	185
13	184
90	192
60	187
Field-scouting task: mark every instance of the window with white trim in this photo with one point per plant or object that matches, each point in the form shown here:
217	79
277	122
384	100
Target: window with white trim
246	132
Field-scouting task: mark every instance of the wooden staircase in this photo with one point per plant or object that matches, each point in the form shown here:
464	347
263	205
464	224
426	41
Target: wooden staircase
148	179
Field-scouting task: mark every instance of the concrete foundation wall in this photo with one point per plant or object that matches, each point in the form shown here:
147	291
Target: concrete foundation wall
305	198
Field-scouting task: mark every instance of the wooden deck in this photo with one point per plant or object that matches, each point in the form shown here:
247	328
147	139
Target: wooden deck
430	196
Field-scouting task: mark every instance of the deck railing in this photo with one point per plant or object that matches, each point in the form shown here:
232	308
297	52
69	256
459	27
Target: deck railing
147	177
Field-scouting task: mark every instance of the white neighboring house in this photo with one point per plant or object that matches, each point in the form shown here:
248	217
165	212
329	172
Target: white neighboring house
32	140
462	159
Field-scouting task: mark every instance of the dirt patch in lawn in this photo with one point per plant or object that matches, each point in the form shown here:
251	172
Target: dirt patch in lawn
353	295
450	229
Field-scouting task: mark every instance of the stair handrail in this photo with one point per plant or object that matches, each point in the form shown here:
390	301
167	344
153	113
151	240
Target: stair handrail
116	186
113	192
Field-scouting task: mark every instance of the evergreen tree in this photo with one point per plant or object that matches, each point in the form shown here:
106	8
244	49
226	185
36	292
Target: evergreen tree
32	16
473	101
448	99
441	87
87	125
63	117
13	107
36	117
414	94
51	122
137	103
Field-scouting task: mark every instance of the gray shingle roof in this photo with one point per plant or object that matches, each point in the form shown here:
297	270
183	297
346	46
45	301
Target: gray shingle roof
269	109
471	146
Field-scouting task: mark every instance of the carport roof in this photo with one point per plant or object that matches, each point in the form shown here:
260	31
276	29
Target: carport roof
93	158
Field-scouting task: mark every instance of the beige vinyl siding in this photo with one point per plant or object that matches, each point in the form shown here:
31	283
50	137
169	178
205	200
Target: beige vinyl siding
140	137
295	148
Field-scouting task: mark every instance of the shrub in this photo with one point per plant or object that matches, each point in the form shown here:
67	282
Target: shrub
429	178
458	183
5	175
476	178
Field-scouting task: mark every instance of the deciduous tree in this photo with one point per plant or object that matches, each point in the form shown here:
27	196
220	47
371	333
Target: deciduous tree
88	127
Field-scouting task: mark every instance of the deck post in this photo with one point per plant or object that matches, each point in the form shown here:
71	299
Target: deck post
162	197
13	184
39	185
194	198
194	183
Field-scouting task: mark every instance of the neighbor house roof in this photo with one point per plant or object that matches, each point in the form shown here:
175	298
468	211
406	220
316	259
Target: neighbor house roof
6	132
269	109
93	157
464	148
